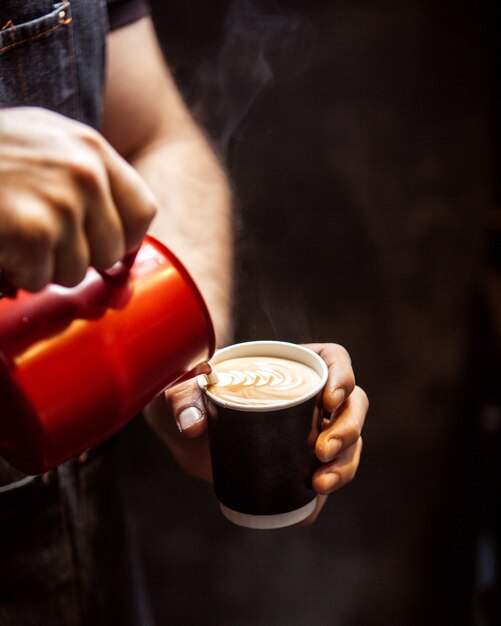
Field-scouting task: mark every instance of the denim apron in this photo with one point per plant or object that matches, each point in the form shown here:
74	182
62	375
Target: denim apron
58	565
52	55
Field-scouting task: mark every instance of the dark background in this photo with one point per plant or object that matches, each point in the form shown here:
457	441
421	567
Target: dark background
361	141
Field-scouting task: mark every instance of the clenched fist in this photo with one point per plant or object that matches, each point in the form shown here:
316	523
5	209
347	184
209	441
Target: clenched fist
67	200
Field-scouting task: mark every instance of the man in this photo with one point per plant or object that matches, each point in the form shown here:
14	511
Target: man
89	161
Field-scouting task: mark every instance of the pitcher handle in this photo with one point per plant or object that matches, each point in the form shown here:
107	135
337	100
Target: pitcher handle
115	274
118	273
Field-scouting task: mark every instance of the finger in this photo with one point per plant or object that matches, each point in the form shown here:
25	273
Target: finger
190	447
332	476
188	408
30	235
178	410
72	259
102	224
134	200
341	379
345	428
203	368
24	275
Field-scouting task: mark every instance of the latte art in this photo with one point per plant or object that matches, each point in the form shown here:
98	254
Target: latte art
262	381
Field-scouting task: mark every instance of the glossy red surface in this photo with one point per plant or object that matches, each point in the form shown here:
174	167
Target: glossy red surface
77	364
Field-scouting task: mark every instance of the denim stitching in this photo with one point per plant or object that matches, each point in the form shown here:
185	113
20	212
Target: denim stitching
10	24
34	37
76	90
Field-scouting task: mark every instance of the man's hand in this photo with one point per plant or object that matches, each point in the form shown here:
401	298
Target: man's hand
67	200
339	445
179	419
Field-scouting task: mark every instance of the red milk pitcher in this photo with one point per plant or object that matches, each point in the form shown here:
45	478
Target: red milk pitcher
76	364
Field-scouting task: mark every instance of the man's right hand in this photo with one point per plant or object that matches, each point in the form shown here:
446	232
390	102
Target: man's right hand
67	200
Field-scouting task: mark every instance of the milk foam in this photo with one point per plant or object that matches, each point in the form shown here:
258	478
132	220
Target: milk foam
262	380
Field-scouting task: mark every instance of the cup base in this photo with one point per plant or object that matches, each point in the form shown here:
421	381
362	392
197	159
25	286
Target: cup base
268	522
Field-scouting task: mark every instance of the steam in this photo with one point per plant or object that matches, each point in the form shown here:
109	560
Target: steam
256	46
262	47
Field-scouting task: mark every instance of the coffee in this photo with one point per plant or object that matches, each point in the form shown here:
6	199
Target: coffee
262	381
262	426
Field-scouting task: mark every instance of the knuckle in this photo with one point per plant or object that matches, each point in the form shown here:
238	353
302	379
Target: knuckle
91	137
149	209
38	236
351	435
87	170
140	220
350	382
363	397
87	136
343	351
68	212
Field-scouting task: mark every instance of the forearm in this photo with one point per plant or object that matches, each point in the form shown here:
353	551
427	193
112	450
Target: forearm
194	219
147	121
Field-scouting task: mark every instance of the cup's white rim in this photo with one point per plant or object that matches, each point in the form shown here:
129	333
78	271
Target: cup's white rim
280	349
268	522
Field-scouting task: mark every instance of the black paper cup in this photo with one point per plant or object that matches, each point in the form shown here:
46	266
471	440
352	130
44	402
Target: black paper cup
263	458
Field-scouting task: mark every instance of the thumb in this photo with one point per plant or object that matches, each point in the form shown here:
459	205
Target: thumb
187	406
180	409
179	420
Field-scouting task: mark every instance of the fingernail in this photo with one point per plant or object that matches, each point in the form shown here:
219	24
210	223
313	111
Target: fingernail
188	417
338	397
334	446
330	480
